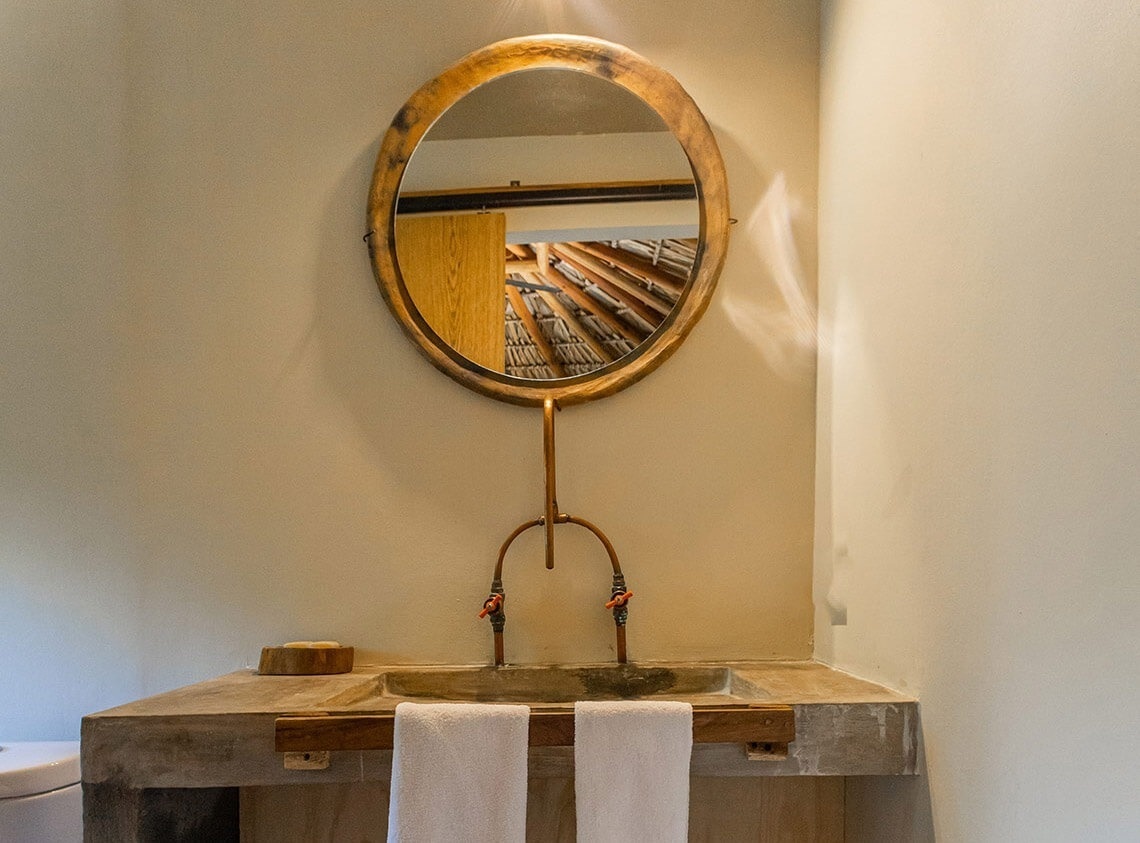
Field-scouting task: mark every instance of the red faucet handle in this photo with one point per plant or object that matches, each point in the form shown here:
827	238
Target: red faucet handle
491	605
619	599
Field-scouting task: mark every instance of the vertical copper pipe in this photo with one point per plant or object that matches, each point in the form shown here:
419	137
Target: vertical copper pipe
499	660
621	654
548	407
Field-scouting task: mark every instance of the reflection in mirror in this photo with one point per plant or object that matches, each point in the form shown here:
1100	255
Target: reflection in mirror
547	224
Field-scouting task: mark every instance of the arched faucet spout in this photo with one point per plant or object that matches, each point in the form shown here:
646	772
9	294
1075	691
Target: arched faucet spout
619	593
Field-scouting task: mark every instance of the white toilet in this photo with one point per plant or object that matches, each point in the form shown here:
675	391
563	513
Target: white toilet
40	797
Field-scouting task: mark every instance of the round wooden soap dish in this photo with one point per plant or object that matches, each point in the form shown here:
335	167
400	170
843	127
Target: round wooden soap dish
305	661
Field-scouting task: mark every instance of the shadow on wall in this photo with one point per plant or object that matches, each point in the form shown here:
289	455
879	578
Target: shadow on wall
427	431
428	474
899	808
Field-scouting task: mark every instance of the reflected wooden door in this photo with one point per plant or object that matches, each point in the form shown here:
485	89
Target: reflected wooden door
454	267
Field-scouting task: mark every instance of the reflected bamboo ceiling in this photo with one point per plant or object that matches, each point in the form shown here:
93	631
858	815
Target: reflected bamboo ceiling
572	308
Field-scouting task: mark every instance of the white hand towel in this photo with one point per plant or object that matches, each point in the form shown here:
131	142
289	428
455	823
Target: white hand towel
631	771
459	773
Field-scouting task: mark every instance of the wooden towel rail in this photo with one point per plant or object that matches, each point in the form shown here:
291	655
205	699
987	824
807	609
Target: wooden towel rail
774	724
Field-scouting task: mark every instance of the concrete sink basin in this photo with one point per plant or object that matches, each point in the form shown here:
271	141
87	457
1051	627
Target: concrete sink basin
562	683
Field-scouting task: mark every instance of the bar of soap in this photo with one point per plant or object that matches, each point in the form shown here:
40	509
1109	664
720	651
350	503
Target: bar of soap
312	645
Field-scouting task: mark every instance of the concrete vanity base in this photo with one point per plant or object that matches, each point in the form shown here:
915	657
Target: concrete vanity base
168	767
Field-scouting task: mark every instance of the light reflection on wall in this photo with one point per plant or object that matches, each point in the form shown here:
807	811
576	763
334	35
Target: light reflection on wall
776	313
561	15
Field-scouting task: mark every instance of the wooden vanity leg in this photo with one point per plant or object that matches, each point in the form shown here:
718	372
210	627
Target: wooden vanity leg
113	814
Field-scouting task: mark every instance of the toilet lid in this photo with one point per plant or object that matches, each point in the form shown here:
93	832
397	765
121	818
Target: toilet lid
30	768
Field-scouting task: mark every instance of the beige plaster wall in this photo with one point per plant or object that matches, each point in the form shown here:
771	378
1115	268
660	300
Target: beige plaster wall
302	473
978	406
69	574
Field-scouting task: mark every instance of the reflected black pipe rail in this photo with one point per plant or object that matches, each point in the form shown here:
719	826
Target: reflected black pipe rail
527	197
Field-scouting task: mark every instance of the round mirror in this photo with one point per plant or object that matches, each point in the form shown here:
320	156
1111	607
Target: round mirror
548	218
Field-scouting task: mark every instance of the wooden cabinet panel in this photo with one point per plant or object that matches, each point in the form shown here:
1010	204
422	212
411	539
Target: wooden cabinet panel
768	809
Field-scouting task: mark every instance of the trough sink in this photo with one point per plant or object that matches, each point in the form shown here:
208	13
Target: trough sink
727	707
563	684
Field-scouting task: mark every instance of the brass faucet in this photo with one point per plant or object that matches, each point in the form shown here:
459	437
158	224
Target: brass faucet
619	594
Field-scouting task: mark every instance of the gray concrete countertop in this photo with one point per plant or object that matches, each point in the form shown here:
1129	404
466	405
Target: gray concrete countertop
220	733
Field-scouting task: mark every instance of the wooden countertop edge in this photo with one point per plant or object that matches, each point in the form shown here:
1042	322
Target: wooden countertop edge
548	727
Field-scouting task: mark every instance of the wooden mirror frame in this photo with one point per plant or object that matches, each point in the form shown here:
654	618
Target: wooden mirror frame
661	92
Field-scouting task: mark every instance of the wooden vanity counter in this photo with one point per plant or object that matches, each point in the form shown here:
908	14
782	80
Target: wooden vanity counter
180	757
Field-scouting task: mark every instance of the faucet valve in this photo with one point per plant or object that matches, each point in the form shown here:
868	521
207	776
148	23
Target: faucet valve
619	602
493	609
492	605
619	599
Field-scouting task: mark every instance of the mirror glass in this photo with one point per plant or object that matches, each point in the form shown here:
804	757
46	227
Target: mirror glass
547	224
